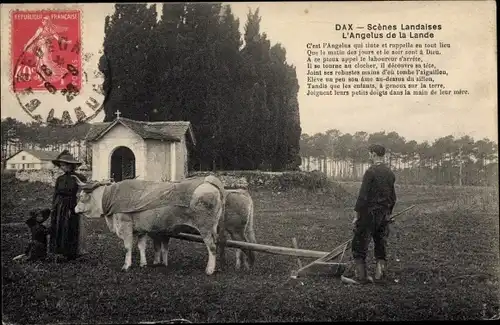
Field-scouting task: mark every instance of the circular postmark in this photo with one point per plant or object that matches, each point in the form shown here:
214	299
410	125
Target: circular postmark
53	81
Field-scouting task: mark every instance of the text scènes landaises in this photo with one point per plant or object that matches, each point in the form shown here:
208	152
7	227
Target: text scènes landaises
420	31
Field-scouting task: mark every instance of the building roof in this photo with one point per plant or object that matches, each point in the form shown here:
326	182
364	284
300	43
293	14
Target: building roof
167	130
40	154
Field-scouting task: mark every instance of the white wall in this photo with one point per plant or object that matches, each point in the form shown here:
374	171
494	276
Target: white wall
28	163
181	157
158	160
47	176
103	148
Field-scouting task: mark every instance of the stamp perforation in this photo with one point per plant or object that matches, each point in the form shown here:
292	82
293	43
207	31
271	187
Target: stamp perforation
40	46
79	53
11	52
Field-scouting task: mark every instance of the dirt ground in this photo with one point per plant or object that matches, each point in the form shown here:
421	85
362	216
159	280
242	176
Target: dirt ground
443	265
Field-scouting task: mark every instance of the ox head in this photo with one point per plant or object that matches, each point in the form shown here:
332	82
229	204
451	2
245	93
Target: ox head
90	198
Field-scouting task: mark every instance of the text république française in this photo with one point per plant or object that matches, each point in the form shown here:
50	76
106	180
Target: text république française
375	31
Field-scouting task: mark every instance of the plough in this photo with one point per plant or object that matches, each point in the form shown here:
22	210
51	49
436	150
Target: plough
322	265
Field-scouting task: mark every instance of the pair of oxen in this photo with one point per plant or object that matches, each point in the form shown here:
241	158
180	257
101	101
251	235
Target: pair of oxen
140	209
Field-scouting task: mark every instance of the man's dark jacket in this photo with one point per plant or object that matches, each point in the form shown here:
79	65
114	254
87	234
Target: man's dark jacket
377	190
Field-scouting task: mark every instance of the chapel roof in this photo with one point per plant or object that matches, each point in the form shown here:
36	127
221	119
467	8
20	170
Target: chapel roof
165	130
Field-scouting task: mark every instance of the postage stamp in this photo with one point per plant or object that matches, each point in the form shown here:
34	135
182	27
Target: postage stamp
50	74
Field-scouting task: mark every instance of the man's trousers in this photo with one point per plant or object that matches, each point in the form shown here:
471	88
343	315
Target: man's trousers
371	224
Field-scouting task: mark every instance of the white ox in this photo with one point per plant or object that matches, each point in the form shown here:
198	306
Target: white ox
238	222
204	210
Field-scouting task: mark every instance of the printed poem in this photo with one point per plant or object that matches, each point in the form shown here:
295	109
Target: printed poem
377	69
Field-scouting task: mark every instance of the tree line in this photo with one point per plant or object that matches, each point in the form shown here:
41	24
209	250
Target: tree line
193	64
446	160
16	135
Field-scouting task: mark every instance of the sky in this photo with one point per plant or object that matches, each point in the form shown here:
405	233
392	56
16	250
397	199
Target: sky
471	63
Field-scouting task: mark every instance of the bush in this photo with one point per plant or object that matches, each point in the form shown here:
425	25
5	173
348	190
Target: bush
276	181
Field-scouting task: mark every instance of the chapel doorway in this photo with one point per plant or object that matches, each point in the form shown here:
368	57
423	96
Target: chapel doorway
122	164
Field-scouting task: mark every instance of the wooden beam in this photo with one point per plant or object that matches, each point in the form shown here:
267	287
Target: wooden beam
326	257
279	250
276	250
322	269
296	246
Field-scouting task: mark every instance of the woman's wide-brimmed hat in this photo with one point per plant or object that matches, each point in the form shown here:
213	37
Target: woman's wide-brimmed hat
65	157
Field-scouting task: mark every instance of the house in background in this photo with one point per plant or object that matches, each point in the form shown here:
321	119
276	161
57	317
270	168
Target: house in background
31	160
126	149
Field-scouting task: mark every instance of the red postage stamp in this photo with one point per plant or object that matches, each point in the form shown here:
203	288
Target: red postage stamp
46	50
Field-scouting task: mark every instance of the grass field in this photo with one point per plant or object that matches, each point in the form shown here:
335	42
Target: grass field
443	264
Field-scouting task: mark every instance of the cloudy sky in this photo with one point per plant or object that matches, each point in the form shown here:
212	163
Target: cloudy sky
471	63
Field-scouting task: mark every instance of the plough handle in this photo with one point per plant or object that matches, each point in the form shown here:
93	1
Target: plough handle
335	252
401	212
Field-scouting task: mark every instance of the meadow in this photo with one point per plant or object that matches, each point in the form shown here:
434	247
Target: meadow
443	265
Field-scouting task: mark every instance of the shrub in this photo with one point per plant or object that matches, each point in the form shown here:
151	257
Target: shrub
277	181
296	181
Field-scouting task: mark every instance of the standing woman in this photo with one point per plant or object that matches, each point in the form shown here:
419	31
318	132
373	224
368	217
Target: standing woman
67	231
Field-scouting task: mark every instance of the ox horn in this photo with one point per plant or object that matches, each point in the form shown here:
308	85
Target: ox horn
78	181
106	182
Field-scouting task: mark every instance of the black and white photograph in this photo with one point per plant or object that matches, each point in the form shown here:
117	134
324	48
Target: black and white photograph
244	162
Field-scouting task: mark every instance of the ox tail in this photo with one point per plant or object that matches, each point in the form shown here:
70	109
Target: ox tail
222	211
249	231
215	182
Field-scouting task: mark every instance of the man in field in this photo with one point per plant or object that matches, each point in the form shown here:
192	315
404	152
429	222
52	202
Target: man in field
373	208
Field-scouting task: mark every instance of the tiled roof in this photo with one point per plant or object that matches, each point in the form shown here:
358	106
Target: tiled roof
168	130
40	154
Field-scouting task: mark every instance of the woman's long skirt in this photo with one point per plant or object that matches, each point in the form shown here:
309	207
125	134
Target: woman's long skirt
65	228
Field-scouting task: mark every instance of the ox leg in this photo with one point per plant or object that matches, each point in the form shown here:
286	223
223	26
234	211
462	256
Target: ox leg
238	251
209	240
240	257
141	244
128	241
221	248
249	254
157	244
164	250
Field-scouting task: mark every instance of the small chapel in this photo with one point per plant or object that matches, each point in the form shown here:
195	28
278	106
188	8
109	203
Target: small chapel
127	149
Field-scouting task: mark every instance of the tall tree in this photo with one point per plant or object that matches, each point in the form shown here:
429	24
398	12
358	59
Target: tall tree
130	71
292	116
241	101
254	57
230	124
170	53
